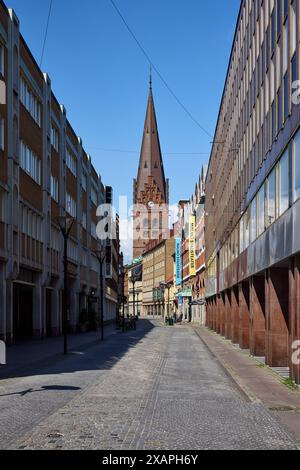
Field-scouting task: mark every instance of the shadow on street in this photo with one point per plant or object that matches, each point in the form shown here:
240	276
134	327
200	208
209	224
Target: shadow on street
94	356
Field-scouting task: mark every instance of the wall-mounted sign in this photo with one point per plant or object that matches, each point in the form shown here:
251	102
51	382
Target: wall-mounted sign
178	261
192	245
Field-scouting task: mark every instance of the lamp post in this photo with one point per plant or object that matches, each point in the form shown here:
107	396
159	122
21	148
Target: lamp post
133	281
122	276
65	224
101	256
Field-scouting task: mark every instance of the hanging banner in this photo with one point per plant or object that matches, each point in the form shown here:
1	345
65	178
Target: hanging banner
192	245
178	261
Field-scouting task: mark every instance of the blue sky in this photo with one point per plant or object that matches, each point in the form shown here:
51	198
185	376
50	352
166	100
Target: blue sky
101	77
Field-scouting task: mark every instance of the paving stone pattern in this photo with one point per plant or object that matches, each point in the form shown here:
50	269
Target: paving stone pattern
158	388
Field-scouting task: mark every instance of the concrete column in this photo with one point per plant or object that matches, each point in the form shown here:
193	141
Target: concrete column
2	304
223	314
213	313
235	319
244	315
257	316
210	314
228	327
37	311
219	312
294	314
277	317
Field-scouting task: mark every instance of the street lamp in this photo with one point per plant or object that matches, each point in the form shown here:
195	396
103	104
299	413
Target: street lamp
65	224
122	275
133	282
101	256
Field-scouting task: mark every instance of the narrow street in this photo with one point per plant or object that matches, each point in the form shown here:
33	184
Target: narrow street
156	388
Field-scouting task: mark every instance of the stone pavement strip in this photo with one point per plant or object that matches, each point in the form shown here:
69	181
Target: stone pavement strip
259	383
158	388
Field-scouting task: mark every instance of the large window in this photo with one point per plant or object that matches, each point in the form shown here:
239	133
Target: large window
283	187
296	167
253	221
271	198
261	211
31	103
242	235
247	224
30	163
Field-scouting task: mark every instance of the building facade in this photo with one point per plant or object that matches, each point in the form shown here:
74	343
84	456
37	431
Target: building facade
252	188
158	270
134	288
150	189
45	173
190	229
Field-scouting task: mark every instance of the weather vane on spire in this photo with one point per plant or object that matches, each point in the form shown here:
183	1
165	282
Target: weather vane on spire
150	76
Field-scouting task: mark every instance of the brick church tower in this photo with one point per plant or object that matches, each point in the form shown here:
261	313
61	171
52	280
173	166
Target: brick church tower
150	189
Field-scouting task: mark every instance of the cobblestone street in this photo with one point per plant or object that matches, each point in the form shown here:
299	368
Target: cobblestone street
157	388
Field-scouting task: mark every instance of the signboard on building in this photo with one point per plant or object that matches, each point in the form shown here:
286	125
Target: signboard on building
178	261
192	246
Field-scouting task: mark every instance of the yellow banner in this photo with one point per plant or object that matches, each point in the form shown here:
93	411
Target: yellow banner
192	245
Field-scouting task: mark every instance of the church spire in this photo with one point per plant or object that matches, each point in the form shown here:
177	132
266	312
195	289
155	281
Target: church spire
151	162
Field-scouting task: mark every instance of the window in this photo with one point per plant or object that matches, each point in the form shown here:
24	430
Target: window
95	264
71	206
253	221
1	133
94	196
54	188
31	103
293	31
30	163
93	229
283	178
271	198
84	258
71	162
72	251
296	167
286	85
247	219
261	211
54	138
84	181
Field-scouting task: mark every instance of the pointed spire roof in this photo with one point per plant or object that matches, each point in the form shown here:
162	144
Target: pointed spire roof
151	163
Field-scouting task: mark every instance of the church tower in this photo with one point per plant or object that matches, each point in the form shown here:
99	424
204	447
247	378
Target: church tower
150	189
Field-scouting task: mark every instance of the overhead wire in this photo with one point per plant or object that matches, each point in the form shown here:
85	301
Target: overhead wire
180	103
